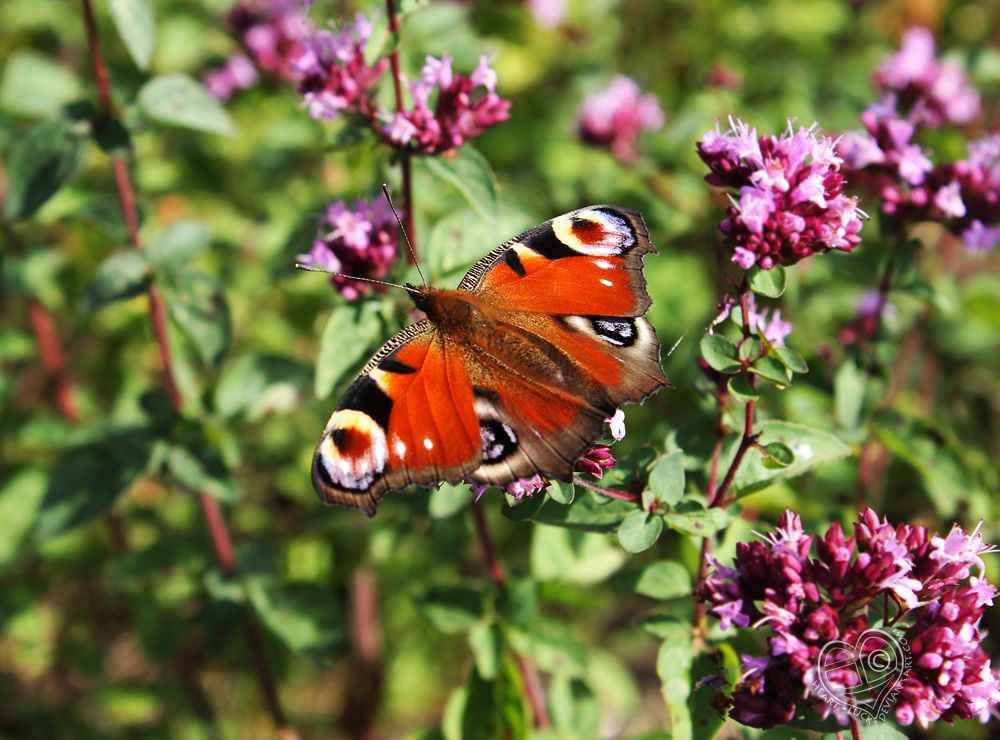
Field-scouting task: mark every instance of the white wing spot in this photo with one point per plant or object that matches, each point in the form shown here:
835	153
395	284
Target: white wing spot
428	445
400	448
606	282
604	264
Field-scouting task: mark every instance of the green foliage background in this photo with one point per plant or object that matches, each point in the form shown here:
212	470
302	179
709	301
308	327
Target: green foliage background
116	619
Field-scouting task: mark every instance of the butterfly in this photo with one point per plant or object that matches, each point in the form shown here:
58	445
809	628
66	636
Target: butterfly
510	375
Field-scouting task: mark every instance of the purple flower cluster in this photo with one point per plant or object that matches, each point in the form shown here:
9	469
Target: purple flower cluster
270	32
809	602
928	91
614	117
791	201
364	242
334	75
921	92
770	326
465	106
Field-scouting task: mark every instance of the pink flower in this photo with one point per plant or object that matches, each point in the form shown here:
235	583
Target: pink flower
363	241
465	107
614	117
928	91
617	425
807	602
791	202
596	460
547	13
333	73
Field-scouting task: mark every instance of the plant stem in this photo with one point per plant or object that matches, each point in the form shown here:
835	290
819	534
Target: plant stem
532	684
746	442
609	492
404	156
221	540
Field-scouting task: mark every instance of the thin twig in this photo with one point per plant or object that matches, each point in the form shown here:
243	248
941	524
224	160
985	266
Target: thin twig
365	693
632	498
221	540
746	442
532	684
404	155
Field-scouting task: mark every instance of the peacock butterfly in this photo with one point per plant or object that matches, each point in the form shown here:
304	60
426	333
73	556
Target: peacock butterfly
510	375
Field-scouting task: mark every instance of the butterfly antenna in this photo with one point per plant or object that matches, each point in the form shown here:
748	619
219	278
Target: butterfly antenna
313	268
676	345
406	238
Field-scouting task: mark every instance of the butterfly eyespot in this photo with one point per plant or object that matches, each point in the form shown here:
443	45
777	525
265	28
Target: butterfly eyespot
499	440
354	453
595	233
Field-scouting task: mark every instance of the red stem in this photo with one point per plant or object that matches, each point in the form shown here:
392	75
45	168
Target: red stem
748	440
52	358
366	692
221	540
631	498
404	155
532	684
855	728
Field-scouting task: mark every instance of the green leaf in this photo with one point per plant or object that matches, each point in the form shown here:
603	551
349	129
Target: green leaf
584	558
197	304
472	176
349	336
36	86
666	481
178	100
487	645
120	276
790	359
259	385
198	467
301	615
574	707
771	370
589	512
134	21
639	531
881	731
750	349
21	496
692	518
495	708
452	609
663	579
40	162
448	500
720	353
176	245
848	394
673	665
741	388
524	510
561	492
88	478
770	283
811	447
778	455
552	644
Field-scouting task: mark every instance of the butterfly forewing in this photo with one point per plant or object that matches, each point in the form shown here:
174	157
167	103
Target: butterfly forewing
544	339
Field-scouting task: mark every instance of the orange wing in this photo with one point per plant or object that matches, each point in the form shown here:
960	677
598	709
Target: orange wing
407	418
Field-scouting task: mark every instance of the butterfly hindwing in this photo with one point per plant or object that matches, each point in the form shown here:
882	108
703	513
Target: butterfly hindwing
511	375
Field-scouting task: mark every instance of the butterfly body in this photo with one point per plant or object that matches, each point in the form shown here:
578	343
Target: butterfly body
511	374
